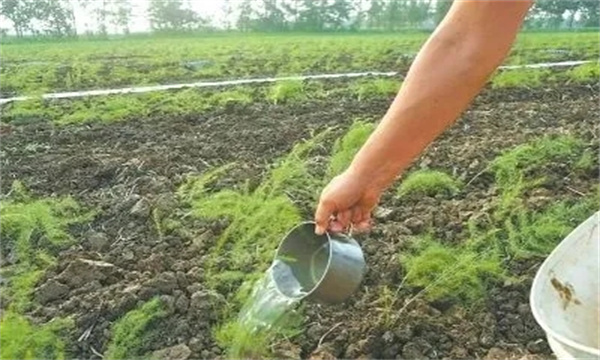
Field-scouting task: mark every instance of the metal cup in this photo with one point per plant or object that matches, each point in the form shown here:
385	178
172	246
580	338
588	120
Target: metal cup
325	268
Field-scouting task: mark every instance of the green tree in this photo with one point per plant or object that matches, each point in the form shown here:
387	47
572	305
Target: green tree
311	15
417	12
173	15
395	12
57	17
441	9
292	9
53	17
247	15
338	14
19	12
227	10
121	15
272	17
376	14
550	12
113	13
590	11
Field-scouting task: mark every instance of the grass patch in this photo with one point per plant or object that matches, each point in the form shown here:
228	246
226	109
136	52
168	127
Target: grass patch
429	183
286	91
536	234
125	61
243	342
376	88
520	78
259	218
128	339
30	111
259	323
112	108
587	162
23	340
243	251
518	169
511	231
31	231
584	73
447	272
523	233
346	147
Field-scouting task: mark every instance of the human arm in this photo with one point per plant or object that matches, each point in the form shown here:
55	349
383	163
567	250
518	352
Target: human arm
449	71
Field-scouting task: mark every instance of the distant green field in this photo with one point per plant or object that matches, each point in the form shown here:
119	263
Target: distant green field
33	68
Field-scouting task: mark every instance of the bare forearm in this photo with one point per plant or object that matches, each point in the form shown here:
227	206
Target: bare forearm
447	74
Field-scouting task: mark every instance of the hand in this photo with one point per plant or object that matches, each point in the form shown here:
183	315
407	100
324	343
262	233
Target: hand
346	200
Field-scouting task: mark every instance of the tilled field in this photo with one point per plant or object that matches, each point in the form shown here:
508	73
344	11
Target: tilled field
129	172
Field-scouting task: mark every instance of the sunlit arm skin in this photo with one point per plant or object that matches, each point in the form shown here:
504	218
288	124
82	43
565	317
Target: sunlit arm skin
450	70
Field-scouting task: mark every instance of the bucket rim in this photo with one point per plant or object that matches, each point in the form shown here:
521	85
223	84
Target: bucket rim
533	298
329	259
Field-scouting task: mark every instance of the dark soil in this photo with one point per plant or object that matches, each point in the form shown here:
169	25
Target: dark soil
129	172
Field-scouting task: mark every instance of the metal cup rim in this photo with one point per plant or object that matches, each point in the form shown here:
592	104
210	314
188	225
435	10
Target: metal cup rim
329	259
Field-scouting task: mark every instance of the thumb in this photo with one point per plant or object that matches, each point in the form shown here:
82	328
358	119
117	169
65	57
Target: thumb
324	211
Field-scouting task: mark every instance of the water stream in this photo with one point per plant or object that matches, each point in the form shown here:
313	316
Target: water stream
276	295
267	304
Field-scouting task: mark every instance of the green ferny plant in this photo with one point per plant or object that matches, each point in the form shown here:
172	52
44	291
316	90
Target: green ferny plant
127	340
429	183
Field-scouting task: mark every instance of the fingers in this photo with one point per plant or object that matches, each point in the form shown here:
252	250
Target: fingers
362	226
324	211
361	220
327	219
341	222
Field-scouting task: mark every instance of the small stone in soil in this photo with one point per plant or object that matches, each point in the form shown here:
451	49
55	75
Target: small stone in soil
352	351
177	352
411	351
523	309
51	290
141	209
146	293
382	213
288	351
536	346
391	351
314	332
128	255
496	354
321	354
181	304
181	279
486	339
205	303
388	337
195	344
82	271
168	302
165	282
404	333
98	241
414	224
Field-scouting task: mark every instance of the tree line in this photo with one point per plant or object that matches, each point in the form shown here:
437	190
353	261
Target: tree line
58	17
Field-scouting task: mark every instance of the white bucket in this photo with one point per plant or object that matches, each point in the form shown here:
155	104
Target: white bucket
565	294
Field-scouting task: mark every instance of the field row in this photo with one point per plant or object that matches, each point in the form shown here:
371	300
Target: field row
46	67
196	101
198	268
